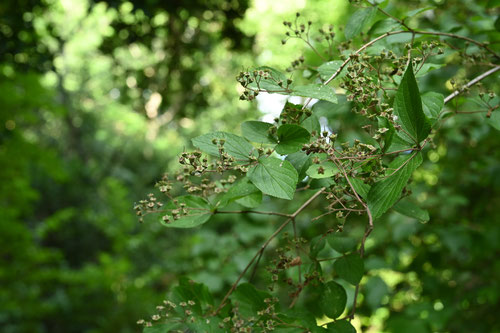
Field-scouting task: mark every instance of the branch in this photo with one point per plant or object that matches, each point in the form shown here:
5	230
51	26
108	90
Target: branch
471	83
263	247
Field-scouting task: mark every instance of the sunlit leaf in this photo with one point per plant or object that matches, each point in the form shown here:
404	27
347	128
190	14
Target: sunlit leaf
234	145
358	20
275	177
257	131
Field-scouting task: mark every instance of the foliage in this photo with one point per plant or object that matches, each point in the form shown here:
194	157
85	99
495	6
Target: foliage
341	177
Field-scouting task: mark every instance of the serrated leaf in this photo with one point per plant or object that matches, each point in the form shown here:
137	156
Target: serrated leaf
317	91
291	138
350	268
432	104
249	300
199	212
389	135
341	326
300	161
358	20
234	145
189	290
328	170
241	189
257	131
410	209
408	108
383	194
274	177
333	299
360	187
341	243
329	68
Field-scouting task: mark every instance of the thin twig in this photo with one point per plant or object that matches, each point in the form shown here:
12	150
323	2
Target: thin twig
266	243
471	83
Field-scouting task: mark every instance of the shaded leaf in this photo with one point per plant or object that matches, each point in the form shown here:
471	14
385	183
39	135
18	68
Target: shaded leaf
300	161
249	300
341	243
291	138
383	194
350	268
333	299
274	177
341	326
408	108
410	209
389	135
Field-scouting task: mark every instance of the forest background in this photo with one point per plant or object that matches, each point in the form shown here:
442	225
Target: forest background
97	99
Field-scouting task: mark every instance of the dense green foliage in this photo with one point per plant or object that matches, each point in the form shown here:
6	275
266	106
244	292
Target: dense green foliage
99	98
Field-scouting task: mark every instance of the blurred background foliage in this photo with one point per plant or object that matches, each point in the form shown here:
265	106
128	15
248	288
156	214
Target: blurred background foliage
98	97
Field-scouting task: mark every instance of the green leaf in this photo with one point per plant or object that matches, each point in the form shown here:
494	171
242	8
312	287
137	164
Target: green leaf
358	20
408	108
274	177
333	299
494	120
188	290
234	145
317	244
300	161
291	138
251	201
341	243
383	26
341	326
318	91
386	192
241	189
389	135
329	68
350	268
410	209
311	124
162	328
432	104
199	212
360	187
257	131
375	290
328	170
271	83
249	300
415	12
426	68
